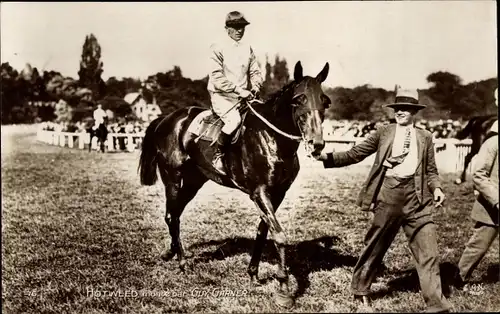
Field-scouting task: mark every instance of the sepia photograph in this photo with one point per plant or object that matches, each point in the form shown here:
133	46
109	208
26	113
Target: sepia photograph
249	157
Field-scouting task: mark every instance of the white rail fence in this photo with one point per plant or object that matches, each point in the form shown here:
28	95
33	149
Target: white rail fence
130	141
450	153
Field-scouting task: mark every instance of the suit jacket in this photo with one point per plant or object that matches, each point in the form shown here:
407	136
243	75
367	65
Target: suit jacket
485	180
426	174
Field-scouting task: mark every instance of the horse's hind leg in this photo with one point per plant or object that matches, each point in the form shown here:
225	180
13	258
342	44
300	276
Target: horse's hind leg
180	189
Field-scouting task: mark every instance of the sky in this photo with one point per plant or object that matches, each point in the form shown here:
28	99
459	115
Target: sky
381	43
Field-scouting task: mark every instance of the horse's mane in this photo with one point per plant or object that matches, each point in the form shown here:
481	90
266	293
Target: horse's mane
275	100
277	96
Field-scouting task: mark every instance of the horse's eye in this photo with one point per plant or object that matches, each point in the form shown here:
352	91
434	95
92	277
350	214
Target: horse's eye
300	100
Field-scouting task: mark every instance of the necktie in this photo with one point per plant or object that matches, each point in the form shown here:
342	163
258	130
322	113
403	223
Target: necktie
396	160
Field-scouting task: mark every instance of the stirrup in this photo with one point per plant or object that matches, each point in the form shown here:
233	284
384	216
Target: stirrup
217	162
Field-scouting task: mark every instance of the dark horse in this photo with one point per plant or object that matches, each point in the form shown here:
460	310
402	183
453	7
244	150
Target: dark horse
478	128
101	133
263	163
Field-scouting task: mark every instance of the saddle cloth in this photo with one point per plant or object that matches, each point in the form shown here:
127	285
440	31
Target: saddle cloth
207	126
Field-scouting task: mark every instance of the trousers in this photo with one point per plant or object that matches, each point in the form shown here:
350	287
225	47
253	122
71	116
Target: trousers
475	249
222	105
398	206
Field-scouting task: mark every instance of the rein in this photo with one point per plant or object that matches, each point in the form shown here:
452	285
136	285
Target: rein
269	124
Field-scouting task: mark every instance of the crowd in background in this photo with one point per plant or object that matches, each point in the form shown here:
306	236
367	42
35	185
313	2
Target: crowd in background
332	128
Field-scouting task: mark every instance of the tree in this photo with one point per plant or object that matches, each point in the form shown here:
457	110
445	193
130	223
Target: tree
63	111
276	76
91	67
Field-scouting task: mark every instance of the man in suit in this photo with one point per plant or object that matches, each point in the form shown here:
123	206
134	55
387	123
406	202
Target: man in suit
399	190
485	210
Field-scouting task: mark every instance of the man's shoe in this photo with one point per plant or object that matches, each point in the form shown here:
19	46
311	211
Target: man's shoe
458	282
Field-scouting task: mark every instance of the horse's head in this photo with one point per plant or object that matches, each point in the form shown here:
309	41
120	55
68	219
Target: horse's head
309	105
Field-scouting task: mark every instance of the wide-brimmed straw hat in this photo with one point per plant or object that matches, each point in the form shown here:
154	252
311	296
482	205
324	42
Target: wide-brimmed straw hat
235	18
407	97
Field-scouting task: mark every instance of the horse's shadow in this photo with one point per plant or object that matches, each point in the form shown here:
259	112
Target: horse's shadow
303	258
306	257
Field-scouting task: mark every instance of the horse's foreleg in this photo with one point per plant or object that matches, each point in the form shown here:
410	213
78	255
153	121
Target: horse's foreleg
263	200
260	240
102	146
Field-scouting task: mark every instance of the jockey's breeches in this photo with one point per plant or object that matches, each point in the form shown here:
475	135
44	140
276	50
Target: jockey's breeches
222	105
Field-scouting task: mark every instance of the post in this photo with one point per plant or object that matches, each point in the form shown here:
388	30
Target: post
111	137
130	143
70	140
81	144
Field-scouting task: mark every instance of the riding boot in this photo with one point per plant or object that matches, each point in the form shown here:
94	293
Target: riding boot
218	157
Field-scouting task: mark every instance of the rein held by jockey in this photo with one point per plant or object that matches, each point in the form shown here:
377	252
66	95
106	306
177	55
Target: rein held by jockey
234	77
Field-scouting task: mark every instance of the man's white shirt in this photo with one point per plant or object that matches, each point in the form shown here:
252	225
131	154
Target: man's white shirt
99	115
409	165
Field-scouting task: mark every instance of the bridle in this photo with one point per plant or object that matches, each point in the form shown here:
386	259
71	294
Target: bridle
276	129
272	126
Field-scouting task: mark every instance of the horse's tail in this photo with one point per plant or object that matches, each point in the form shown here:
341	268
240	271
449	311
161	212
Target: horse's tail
464	133
148	161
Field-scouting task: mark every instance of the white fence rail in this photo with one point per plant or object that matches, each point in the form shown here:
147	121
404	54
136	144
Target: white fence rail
114	142
450	153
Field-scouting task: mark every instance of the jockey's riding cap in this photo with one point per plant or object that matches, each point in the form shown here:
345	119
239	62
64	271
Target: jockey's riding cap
406	97
236	18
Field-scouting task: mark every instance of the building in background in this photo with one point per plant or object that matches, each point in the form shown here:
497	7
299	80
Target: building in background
144	111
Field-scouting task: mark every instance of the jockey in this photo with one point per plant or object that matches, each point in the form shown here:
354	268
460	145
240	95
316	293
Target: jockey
233	68
99	115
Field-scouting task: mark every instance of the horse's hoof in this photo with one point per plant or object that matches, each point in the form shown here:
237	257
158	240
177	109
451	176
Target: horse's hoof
254	281
283	300
167	256
458	181
182	264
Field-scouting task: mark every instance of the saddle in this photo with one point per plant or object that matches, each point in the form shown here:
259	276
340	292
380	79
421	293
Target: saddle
207	126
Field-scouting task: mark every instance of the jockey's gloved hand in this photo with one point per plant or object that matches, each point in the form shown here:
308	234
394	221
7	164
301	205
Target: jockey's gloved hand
245	94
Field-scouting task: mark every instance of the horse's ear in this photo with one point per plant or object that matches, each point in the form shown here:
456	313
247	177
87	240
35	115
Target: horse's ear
297	73
323	74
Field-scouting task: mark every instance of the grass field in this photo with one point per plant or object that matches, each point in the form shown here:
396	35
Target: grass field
79	234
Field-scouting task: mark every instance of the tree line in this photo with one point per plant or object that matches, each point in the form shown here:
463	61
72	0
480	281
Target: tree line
447	97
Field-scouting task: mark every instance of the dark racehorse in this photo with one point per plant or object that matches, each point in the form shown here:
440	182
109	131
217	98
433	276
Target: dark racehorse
263	163
478	129
101	133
